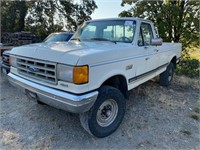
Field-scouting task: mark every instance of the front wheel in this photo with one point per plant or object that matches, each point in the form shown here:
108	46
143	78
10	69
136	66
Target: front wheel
167	76
107	113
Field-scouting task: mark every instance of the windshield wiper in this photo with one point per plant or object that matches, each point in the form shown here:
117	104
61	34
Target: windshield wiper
77	39
103	39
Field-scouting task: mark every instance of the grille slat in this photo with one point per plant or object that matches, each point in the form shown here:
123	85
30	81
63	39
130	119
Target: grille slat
43	71
36	66
38	73
5	59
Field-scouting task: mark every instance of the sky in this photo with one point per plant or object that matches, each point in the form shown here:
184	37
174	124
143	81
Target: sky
108	9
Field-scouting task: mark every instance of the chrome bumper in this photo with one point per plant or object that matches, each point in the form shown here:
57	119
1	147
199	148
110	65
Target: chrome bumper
56	98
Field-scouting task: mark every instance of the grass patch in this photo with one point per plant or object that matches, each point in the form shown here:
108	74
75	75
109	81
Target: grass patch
195	117
197	110
186	132
190	62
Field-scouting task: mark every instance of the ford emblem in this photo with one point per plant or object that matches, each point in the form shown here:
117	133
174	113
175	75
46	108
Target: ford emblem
31	69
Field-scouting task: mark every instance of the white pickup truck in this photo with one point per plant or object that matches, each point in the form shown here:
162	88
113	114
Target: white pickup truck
93	72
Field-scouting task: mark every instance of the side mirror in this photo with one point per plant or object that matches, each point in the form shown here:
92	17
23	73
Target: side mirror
156	42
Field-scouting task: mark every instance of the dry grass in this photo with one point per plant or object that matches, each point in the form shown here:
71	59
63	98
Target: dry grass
43	143
10	139
186	82
194	53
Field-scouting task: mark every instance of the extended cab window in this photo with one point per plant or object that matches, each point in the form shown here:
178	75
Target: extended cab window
145	34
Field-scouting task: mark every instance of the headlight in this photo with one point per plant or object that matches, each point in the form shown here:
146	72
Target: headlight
65	73
13	61
76	75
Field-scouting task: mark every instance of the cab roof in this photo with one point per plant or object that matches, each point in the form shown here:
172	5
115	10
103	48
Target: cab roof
123	18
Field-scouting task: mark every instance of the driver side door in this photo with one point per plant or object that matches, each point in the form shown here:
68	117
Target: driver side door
151	59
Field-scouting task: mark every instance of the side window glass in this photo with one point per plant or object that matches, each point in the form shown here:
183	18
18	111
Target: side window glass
146	33
140	40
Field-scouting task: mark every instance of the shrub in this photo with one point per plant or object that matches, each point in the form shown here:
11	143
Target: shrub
188	67
195	117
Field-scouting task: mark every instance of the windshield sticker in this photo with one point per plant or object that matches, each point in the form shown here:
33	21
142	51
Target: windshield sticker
128	23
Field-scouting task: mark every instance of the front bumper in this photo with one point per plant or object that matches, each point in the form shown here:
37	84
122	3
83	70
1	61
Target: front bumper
56	98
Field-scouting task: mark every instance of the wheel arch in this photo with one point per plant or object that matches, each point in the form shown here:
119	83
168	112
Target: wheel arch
173	60
118	81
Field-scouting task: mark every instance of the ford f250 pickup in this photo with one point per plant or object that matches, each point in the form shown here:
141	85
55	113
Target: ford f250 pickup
93	72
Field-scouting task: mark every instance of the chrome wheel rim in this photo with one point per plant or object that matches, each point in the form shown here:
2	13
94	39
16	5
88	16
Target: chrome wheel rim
107	113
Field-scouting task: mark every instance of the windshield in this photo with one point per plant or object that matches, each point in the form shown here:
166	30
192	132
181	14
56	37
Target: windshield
58	37
107	30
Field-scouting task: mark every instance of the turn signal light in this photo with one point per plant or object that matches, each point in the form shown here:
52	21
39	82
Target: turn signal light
80	75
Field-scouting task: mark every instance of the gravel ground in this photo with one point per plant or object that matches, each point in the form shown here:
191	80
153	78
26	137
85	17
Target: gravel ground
156	118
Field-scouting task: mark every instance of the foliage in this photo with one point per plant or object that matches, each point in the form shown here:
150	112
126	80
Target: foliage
74	13
197	110
40	19
195	117
188	67
43	17
190	63
12	15
186	132
176	20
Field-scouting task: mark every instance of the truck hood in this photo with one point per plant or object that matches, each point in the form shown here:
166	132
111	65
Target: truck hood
68	52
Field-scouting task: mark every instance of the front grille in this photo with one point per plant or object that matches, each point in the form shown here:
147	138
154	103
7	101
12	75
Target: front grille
5	59
43	71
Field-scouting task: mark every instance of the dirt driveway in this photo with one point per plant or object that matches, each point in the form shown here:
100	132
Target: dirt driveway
156	118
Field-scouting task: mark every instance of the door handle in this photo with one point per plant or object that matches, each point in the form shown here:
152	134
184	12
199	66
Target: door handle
147	58
156	50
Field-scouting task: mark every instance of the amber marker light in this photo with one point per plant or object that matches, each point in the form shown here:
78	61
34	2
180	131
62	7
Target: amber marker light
80	74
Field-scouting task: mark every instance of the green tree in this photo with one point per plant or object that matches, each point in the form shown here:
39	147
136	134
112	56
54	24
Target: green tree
43	17
50	16
40	18
13	15
74	13
176	20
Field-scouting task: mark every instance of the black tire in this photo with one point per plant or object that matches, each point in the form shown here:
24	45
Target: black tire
167	76
92	121
41	103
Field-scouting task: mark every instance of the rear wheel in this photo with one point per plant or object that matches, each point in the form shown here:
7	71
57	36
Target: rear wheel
167	76
107	113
